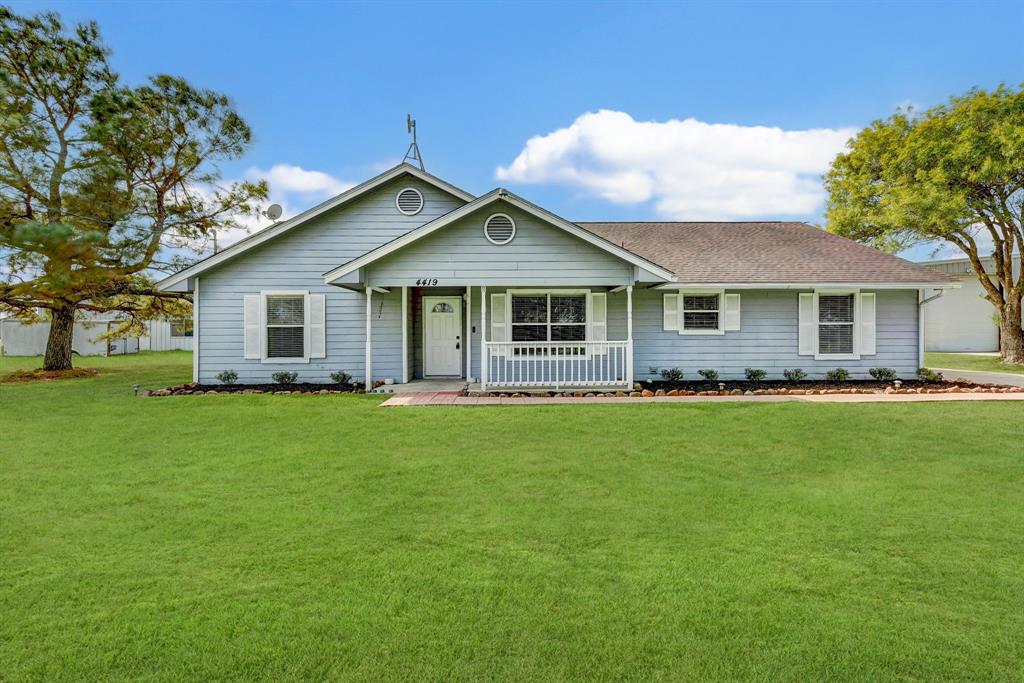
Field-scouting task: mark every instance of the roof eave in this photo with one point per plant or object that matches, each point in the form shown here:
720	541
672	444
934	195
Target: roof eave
810	285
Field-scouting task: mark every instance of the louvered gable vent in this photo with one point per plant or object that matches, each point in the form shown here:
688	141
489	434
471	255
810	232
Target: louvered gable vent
409	201
499	228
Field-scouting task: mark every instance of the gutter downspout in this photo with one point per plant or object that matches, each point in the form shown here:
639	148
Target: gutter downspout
921	301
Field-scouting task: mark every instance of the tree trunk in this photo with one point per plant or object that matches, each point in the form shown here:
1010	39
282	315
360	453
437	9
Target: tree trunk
1011	336
58	345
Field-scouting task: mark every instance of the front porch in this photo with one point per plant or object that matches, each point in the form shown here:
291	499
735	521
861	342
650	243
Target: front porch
508	338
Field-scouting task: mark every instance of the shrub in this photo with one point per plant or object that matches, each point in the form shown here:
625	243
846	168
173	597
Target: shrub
837	375
883	374
794	374
928	375
228	377
341	377
755	375
672	375
708	374
285	377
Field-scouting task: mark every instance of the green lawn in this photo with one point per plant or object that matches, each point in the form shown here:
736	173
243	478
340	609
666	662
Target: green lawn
321	537
966	361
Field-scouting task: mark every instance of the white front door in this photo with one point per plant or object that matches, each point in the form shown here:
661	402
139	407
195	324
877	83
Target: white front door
442	335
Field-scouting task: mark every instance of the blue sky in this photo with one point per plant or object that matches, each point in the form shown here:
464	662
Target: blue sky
710	110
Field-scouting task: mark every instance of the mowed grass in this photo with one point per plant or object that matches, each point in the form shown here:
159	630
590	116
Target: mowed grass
323	537
967	361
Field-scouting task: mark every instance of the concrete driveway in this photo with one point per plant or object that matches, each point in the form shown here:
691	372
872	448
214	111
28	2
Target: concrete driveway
983	377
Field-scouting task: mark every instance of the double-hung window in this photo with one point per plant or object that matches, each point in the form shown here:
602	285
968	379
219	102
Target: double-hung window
701	313
549	317
286	325
836	319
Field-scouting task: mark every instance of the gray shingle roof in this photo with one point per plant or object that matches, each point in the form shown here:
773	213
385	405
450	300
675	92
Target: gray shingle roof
768	252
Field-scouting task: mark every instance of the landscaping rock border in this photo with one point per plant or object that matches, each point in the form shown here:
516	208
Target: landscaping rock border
641	391
193	389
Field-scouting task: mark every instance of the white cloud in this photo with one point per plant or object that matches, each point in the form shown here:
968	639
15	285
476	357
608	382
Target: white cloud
688	169
285	178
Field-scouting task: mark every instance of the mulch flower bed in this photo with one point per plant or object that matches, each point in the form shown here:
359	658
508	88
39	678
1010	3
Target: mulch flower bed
773	388
49	375
297	388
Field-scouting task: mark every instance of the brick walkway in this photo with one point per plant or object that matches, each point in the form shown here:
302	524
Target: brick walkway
451	398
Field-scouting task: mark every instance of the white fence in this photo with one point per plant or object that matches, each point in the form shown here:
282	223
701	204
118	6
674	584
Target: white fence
557	364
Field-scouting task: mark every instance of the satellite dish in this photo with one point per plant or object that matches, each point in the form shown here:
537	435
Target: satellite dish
273	212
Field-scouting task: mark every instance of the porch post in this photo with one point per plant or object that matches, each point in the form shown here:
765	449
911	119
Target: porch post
629	336
483	339
405	335
195	331
368	374
468	344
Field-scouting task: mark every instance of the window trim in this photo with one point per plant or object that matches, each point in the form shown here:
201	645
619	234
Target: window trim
585	293
404	190
855	355
681	318
264	358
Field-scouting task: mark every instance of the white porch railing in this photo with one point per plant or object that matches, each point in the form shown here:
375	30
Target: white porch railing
556	364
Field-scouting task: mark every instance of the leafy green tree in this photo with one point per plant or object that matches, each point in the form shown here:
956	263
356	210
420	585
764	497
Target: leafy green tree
953	173
102	184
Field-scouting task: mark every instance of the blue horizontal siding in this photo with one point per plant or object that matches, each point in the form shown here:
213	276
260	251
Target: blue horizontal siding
768	338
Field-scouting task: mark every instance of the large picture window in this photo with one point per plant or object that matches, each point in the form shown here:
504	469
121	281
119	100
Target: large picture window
836	317
549	317
286	326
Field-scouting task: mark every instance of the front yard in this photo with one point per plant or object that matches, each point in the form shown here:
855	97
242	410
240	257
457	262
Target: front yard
287	537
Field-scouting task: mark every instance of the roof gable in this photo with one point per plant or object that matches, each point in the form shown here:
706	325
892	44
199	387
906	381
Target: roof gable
496	196
278	229
461	255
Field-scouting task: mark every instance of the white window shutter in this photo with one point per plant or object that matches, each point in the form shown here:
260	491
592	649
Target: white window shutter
867	324
671	314
499	322
317	326
499	325
808	323
597	321
251	323
732	312
597	316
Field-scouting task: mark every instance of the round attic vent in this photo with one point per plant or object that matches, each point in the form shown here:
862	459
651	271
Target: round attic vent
499	228
409	201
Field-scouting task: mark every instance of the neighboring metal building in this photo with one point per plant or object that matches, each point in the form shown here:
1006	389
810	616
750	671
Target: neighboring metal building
962	320
20	339
29	339
167	335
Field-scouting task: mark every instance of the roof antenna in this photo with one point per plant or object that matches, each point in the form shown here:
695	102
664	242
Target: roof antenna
412	155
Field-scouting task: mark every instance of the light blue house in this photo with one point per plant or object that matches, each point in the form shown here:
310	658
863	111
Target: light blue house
406	276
